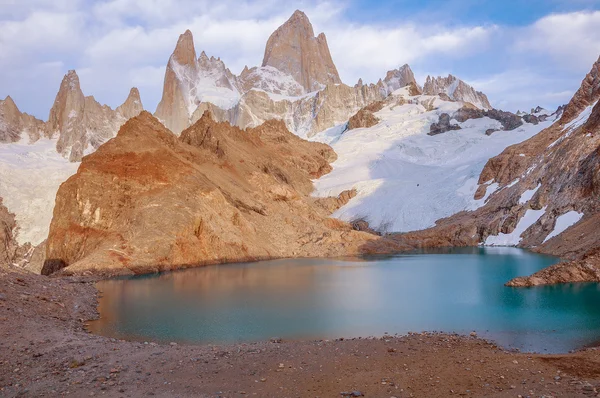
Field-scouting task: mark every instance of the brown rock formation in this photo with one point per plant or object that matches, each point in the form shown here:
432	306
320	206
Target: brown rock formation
8	244
294	49
365	118
457	90
81	122
13	123
132	105
401	77
148	201
443	125
172	109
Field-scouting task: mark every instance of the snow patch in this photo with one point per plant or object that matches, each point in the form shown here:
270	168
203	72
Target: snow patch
406	179
527	195
514	238
563	222
30	175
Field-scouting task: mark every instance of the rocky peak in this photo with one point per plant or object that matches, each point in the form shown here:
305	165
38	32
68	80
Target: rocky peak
13	123
294	50
132	105
185	53
587	95
399	78
456	90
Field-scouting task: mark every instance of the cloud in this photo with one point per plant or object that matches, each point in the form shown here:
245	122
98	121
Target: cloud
571	40
117	44
368	51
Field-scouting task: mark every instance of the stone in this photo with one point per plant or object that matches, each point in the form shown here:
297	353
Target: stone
456	90
294	50
145	203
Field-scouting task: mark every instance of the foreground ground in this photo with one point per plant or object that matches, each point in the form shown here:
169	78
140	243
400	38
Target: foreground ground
45	351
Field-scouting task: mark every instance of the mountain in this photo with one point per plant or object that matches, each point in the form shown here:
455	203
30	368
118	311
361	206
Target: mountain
294	50
132	106
13	123
540	194
399	78
148	200
80	122
456	90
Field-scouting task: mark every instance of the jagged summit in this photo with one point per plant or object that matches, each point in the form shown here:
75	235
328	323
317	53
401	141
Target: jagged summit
294	49
457	90
132	105
399	78
185	53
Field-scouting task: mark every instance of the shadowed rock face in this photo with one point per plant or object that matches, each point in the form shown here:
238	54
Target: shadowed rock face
8	245
294	49
560	167
442	126
147	201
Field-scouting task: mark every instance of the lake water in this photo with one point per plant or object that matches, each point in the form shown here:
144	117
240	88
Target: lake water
457	290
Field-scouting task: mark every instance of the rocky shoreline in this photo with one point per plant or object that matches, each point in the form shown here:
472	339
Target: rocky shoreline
46	351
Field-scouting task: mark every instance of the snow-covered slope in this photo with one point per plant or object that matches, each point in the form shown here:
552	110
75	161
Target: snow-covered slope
406	179
30	175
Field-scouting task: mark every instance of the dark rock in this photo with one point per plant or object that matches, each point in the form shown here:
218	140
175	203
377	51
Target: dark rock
442	126
531	119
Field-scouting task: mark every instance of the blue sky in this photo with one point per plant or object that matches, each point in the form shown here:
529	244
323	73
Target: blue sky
522	53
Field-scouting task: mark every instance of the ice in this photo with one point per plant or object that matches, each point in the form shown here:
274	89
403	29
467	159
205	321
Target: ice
30	175
563	222
407	180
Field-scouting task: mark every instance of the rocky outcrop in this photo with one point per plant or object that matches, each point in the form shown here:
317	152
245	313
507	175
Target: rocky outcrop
443	125
132	105
13	123
294	50
401	77
456	90
8	244
365	117
509	121
147	201
80	122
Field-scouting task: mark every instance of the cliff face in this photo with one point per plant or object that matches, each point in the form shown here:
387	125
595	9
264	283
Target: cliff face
80	122
456	90
148	201
294	50
13	123
8	245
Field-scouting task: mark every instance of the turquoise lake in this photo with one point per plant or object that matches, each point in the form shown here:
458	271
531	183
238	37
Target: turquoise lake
454	290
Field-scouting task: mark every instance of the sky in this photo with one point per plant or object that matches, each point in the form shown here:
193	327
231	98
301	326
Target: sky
521	53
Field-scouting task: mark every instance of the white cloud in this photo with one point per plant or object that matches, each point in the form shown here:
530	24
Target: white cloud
368	51
572	40
116	44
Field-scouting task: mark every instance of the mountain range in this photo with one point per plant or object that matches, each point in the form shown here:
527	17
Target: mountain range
435	158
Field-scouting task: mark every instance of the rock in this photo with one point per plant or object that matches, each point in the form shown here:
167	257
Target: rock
401	77
143	202
365	118
13	123
443	125
81	122
294	50
8	243
456	90
132	105
355	393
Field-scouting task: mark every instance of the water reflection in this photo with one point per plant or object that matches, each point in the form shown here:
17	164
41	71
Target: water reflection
452	290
